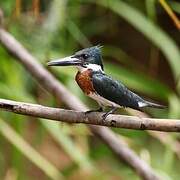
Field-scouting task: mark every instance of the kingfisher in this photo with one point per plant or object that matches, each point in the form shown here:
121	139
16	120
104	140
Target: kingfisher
93	81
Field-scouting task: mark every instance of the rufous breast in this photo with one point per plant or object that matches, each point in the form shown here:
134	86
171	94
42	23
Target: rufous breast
85	82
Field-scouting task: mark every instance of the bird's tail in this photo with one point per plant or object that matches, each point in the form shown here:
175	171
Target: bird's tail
154	105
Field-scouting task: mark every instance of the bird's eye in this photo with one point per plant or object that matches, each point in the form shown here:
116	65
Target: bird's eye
85	56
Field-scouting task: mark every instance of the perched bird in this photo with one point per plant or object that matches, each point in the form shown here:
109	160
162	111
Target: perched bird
96	84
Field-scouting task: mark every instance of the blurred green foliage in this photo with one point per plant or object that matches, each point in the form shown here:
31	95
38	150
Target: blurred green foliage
141	49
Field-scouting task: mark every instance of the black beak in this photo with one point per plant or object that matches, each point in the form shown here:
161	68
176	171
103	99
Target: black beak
67	61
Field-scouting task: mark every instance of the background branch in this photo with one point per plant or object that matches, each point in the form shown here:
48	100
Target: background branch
69	116
46	80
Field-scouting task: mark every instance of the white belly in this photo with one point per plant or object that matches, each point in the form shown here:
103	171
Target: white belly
102	101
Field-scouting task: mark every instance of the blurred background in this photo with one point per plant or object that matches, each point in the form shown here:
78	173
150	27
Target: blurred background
140	48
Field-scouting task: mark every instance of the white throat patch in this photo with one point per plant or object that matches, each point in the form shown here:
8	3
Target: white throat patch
94	67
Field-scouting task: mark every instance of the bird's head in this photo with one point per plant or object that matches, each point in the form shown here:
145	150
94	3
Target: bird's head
88	58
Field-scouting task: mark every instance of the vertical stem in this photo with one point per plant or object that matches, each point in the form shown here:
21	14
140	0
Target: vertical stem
18	8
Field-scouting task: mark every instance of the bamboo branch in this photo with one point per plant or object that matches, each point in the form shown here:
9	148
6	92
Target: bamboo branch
57	89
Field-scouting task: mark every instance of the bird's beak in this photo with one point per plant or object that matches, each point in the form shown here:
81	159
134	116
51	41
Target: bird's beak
67	61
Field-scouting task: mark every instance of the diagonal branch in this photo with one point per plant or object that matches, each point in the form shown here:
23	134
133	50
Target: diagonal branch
170	12
60	92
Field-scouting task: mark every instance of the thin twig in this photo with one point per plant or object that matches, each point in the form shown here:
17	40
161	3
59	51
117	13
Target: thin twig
60	92
171	14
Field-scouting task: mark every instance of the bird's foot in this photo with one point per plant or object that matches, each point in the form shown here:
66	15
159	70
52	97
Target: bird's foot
97	110
105	115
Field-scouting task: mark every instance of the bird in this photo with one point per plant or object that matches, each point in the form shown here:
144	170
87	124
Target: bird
99	86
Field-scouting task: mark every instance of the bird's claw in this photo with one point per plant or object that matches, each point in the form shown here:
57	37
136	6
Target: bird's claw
104	116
